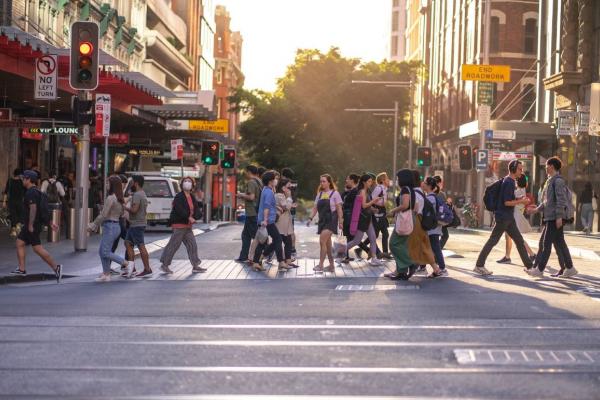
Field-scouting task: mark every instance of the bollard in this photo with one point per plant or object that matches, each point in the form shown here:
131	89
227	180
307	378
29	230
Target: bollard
55	218
71	231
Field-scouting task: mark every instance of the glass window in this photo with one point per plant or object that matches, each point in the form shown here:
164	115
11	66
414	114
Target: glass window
395	21
394	46
531	36
157	189
495	35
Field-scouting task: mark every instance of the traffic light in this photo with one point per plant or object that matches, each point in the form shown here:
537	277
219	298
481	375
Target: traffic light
228	160
81	111
210	153
84	63
423	156
465	159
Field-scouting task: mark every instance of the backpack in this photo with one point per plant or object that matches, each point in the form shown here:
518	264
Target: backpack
43	210
429	217
52	193
348	203
570	208
443	212
491	196
403	223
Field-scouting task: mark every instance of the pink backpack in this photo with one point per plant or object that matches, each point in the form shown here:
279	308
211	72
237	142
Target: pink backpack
355	214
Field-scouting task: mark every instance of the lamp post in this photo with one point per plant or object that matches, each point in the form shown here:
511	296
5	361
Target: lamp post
392	84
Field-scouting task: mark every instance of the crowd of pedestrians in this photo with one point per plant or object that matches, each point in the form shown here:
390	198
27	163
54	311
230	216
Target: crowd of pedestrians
420	211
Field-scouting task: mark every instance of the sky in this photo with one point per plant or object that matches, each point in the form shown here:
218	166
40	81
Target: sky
273	29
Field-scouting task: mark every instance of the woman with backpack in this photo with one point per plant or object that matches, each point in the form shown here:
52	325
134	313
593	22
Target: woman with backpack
403	226
112	210
362	220
419	246
183	216
430	186
328	204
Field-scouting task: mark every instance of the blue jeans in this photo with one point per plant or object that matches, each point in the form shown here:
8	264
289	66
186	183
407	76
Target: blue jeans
437	250
110	231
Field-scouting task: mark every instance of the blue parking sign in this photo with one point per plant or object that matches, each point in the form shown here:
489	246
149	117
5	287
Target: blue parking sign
482	159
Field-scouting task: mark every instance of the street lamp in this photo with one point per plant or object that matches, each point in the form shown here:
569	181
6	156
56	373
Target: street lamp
392	84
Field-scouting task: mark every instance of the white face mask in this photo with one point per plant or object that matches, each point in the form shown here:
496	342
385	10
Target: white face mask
187	185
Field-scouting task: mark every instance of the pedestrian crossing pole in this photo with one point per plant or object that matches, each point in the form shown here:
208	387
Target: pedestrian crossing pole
82	181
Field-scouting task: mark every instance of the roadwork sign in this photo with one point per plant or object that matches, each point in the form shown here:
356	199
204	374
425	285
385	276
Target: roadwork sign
485	73
46	77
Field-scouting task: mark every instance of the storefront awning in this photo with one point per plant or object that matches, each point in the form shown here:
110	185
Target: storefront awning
178	111
144	81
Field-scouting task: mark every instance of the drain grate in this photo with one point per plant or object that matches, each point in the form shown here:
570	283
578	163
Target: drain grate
372	288
526	357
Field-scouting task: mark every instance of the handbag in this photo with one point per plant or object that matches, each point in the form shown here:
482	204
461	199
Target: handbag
403	223
262	235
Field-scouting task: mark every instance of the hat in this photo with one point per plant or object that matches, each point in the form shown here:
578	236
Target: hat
31	175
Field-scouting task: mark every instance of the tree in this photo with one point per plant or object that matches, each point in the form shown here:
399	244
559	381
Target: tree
303	124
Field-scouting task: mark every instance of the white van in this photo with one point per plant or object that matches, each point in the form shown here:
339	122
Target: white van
160	191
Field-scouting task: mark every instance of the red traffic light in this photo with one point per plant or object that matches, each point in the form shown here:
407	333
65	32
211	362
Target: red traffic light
85	48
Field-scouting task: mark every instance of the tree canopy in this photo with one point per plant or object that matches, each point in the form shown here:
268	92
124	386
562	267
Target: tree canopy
304	125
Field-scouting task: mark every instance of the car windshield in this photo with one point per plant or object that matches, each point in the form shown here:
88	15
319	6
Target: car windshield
176	186
157	188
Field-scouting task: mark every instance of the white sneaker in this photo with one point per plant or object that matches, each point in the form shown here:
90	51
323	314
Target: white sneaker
569	272
535	272
103	278
376	262
482	271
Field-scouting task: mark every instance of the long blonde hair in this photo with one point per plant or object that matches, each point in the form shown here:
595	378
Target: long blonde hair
330	180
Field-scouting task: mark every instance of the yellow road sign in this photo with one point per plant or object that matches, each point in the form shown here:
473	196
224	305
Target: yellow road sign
219	126
485	73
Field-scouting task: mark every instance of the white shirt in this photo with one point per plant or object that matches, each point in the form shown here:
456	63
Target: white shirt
419	200
59	187
377	195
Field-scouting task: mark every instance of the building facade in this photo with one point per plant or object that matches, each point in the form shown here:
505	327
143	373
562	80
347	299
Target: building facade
398	31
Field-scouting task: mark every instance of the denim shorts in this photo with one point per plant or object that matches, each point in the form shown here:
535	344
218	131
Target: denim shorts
135	235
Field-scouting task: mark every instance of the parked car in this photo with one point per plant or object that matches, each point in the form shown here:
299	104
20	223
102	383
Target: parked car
160	191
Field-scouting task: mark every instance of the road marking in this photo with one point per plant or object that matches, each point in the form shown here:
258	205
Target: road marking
370	288
259	397
318	370
527	357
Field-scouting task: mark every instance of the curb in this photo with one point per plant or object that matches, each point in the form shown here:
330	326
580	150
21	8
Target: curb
578	252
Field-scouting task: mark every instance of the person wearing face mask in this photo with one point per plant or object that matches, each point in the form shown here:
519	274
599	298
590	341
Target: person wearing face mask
184	214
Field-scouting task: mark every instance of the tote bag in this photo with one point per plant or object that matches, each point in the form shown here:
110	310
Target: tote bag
403	223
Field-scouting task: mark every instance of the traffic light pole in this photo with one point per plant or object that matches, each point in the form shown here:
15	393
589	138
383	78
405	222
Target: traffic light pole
482	144
82	182
395	161
224	195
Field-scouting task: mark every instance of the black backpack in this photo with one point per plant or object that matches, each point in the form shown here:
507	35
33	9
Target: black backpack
491	196
429	217
43	210
52	192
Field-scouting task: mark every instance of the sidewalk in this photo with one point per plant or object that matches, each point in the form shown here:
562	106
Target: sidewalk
580	245
79	262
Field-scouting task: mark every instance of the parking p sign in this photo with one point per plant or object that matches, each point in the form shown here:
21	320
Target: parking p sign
482	159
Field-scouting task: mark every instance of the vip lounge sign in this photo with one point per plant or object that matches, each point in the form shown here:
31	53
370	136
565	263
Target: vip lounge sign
46	77
58	131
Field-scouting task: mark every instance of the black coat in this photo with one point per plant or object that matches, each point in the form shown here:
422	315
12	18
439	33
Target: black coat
181	213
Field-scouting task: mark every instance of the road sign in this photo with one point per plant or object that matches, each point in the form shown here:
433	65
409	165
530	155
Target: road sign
500	134
103	114
486	73
566	122
482	161
176	149
594	124
46	77
483	117
499	155
485	93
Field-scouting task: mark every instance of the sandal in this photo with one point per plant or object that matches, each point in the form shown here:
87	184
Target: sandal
434	274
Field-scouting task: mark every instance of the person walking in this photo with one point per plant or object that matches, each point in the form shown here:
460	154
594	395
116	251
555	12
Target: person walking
441	195
328	205
14	194
108	219
123	226
251	197
554	206
380	221
505	219
586	207
137	226
284	224
405	202
183	216
348	198
430	187
290	174
33	221
522	223
267	215
54	190
419	246
362	220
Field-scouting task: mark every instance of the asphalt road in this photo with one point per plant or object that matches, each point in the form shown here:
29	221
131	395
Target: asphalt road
505	337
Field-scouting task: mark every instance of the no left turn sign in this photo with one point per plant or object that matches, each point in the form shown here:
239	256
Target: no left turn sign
46	77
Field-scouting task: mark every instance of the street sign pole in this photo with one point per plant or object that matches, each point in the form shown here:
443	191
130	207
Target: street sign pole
482	144
82	182
395	161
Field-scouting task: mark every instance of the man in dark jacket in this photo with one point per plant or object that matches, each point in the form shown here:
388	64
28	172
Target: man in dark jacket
348	198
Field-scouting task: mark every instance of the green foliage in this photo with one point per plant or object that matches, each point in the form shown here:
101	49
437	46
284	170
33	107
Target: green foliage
303	124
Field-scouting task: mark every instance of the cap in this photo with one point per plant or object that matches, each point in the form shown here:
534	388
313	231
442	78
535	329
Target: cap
29	174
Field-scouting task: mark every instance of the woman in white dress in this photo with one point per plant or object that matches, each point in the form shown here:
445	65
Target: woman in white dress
522	223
